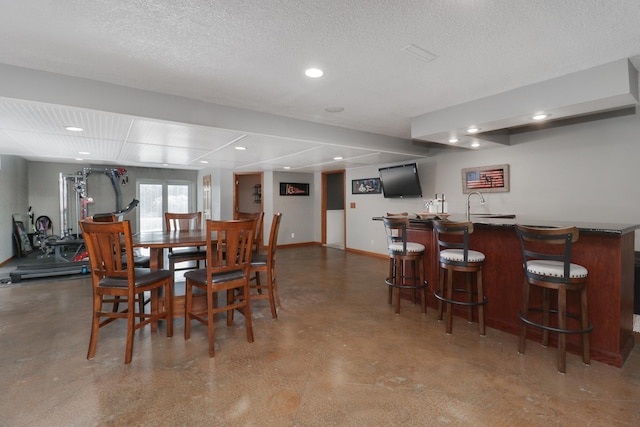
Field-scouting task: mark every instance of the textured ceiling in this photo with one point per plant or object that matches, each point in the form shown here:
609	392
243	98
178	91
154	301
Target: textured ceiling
251	55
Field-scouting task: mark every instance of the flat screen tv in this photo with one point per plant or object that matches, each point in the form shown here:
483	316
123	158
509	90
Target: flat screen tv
400	181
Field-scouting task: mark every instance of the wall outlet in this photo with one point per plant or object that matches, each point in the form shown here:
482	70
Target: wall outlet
293	235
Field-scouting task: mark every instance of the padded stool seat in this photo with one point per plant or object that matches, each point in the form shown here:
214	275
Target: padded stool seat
552	270
454	255
406	263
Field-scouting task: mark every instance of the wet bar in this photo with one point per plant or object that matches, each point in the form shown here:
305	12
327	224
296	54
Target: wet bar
606	250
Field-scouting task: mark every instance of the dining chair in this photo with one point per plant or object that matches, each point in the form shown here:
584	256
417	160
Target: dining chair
112	279
184	221
258	236
223	273
266	263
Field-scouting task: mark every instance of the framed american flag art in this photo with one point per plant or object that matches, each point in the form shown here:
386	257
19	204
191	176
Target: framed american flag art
488	179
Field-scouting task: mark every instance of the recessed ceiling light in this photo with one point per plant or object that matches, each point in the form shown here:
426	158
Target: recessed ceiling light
79	159
540	116
337	158
203	162
453	140
84	153
314	73
334	109
74	128
473	129
286	167
475	144
240	147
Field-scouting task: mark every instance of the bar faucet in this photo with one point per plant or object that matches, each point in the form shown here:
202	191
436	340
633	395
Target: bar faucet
469	203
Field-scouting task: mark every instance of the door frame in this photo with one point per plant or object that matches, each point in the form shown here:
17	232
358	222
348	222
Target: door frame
324	206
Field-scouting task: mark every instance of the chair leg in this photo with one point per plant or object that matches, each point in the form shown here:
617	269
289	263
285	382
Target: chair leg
95	326
155	308
562	324
546	307
272	302
525	313
449	305
275	286
188	302
480	301
168	306
469	297
131	319
248	324
423	290
443	272
391	277
584	315
210	320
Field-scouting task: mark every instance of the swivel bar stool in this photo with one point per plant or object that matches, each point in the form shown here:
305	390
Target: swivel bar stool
406	266
455	256
553	271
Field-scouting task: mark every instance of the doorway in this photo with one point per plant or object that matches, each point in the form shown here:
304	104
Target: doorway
247	193
333	209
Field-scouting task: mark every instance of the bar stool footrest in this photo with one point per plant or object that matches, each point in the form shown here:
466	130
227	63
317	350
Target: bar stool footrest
457	302
395	285
551	328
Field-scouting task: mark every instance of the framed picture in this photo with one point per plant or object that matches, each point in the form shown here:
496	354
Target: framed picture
488	179
366	186
294	189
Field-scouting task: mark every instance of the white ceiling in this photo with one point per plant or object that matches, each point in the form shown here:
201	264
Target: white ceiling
251	56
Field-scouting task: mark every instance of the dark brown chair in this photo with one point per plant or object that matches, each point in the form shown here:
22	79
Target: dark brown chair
266	263
552	270
406	266
111	279
184	221
258	236
454	255
223	273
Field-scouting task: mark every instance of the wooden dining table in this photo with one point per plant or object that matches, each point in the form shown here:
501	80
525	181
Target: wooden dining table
158	241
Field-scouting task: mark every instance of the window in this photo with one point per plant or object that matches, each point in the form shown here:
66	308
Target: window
158	197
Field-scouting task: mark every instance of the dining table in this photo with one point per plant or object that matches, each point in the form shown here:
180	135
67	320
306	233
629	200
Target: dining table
157	242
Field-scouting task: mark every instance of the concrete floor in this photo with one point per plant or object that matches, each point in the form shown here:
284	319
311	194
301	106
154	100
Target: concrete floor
336	356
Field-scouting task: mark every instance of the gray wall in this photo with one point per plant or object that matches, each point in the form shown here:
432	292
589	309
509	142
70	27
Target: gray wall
582	172
14	191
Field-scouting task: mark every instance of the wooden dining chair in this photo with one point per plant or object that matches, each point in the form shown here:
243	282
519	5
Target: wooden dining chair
184	221
223	273
258	236
112	279
266	263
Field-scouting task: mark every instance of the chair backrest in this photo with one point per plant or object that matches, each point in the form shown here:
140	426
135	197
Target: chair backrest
453	235
104	218
273	238
258	235
229	245
396	229
106	243
183	221
549	244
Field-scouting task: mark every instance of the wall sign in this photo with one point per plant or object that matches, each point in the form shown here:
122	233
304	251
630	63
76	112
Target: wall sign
488	179
294	189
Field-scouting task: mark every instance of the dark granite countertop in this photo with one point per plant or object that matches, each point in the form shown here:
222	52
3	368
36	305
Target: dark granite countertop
584	227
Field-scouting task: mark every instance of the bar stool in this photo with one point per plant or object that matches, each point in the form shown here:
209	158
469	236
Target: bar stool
455	256
406	266
553	271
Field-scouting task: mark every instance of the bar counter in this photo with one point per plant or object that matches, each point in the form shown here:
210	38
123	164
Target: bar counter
606	250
